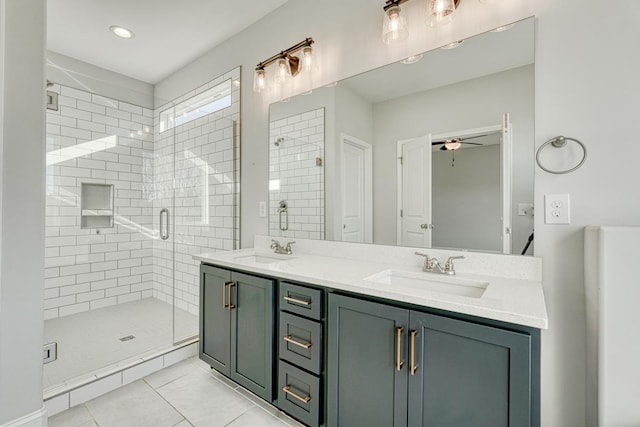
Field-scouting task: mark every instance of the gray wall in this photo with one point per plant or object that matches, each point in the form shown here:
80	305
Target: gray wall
466	199
22	187
465	105
576	49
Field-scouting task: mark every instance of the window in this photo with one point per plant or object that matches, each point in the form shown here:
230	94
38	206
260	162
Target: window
211	100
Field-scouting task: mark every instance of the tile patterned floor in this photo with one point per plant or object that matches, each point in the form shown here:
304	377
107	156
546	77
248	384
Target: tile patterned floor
90	341
186	394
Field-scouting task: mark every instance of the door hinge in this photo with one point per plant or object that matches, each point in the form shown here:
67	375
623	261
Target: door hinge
401	213
401	159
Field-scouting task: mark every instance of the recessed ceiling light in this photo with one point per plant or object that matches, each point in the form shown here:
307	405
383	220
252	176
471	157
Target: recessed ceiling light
122	32
503	28
412	59
452	45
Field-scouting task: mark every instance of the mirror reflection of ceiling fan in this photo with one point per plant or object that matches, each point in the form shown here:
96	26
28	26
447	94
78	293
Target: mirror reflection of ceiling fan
451	144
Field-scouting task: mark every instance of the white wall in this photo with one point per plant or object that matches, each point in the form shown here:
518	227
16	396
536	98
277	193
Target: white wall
22	182
586	87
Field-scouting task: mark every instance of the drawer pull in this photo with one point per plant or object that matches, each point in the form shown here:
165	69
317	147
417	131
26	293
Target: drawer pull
287	389
297	301
289	338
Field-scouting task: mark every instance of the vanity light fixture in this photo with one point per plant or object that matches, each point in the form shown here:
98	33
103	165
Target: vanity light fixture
440	12
287	66
394	27
122	32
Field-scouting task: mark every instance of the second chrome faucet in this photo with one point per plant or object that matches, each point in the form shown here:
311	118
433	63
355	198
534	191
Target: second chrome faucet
432	265
279	249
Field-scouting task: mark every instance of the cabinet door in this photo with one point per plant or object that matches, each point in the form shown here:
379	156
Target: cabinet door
252	333
215	318
468	374
365	387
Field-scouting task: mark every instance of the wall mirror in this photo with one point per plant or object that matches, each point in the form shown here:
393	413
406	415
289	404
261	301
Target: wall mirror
433	151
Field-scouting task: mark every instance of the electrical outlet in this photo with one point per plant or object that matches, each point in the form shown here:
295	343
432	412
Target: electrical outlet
557	209
263	209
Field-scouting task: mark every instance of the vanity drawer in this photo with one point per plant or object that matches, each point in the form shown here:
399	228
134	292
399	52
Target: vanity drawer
299	394
300	342
301	300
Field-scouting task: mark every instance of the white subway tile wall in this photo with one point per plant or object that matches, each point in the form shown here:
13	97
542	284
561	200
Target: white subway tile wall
296	175
92	139
95	139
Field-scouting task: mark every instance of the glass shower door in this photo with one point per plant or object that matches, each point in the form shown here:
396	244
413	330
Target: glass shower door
206	177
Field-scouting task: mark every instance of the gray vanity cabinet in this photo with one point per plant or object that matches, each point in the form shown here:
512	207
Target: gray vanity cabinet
367	381
389	366
462	373
236	327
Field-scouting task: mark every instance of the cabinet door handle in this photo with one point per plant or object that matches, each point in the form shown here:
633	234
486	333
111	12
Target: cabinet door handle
399	361
287	389
297	301
413	368
289	338
225	304
229	305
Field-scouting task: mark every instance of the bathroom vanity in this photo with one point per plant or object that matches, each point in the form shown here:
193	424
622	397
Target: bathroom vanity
350	334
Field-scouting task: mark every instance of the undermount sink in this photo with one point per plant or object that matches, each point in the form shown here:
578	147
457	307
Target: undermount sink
410	282
262	258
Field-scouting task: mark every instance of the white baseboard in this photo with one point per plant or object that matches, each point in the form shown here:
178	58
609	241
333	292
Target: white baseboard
35	419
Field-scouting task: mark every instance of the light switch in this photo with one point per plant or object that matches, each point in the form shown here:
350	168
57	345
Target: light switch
263	209
557	209
525	209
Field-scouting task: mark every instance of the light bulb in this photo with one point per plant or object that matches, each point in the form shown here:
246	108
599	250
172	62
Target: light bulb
308	59
283	72
259	80
394	28
440	12
452	144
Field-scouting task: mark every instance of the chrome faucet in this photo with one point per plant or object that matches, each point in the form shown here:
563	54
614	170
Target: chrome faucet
432	265
277	248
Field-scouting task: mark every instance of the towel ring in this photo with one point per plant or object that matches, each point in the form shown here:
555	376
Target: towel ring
559	142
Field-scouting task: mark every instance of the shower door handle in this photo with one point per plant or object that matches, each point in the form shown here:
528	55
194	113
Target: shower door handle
283	210
164	226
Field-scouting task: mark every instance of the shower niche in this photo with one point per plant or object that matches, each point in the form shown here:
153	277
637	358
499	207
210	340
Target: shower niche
96	205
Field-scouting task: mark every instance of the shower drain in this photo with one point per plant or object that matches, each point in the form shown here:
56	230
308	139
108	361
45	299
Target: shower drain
127	338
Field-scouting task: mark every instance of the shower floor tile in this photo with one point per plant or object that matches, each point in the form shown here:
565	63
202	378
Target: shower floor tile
183	395
91	341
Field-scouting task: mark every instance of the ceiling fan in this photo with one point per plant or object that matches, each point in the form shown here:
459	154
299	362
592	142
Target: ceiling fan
451	144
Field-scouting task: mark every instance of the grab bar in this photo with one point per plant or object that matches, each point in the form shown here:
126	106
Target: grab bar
164	226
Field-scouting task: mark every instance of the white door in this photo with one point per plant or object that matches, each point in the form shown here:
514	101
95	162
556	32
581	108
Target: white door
415	194
356	191
505	183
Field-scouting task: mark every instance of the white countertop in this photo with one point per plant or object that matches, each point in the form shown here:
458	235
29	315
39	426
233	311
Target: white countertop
506	299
